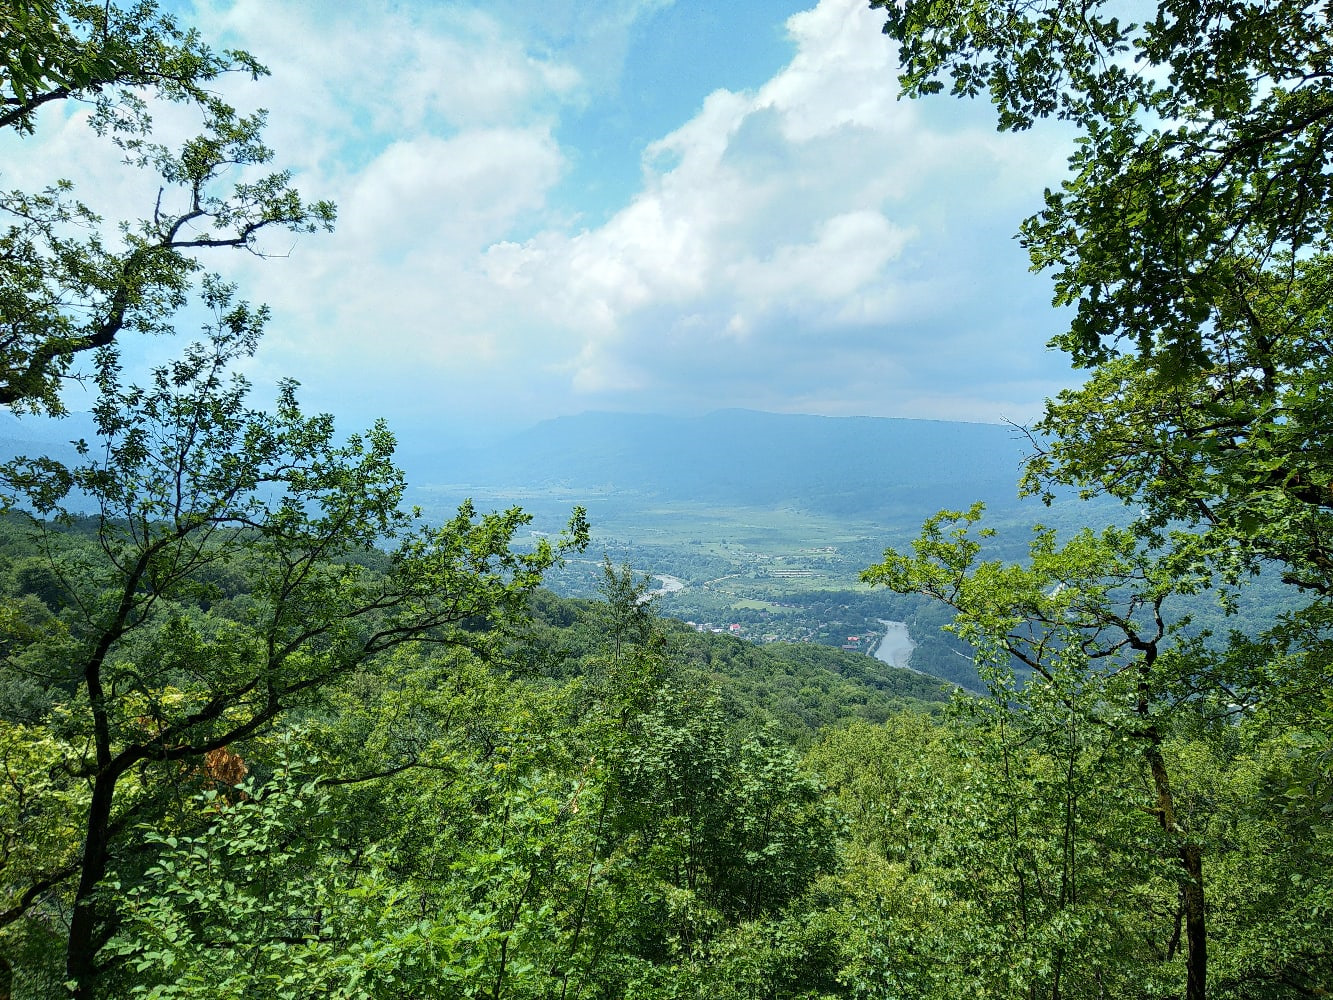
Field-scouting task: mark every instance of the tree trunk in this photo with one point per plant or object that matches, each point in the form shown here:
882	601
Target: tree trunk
1196	937
81	949
1191	861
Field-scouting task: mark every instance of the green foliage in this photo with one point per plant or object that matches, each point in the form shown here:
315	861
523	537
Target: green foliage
66	285
999	854
1191	236
141	683
262	733
1201	129
802	687
805	687
472	834
624	615
1110	679
1192	239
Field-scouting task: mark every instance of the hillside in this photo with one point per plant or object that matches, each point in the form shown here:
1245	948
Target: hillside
764	520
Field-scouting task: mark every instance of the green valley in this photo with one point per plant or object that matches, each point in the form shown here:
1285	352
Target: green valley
600	710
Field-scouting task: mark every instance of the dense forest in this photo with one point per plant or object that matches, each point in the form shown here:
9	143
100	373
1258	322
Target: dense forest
266	732
580	797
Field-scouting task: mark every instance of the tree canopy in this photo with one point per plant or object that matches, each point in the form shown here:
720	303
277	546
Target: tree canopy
72	281
190	483
1191	237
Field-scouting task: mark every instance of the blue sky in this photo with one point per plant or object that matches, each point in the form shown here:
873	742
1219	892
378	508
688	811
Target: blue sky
641	205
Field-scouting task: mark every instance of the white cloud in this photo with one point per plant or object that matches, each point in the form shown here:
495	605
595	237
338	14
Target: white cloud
799	232
836	269
811	244
392	69
840	76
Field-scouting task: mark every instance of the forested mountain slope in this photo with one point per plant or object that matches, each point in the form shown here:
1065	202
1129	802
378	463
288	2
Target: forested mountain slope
592	800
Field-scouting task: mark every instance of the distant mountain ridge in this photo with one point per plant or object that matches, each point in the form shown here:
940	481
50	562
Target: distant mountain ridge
880	466
862	467
33	436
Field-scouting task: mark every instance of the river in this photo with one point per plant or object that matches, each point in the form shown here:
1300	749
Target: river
670	585
896	647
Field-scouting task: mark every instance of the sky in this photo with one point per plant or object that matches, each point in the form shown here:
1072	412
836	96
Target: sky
638	205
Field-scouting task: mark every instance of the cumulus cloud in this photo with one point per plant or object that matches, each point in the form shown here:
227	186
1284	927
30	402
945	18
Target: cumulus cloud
811	244
788	241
